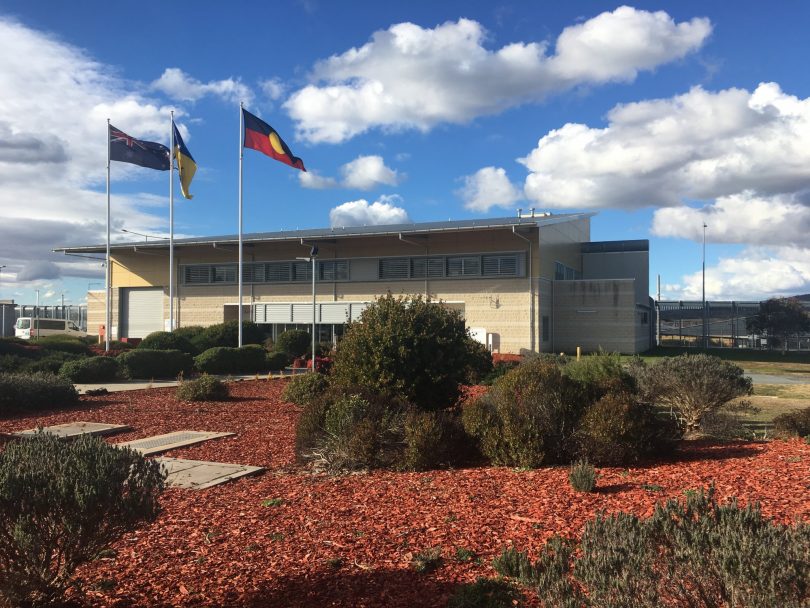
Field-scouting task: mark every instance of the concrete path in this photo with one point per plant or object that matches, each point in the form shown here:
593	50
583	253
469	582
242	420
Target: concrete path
74	429
777	379
199	474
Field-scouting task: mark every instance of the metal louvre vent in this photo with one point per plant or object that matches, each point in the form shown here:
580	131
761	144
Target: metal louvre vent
301	271
465	266
224	274
197	275
277	271
253	273
500	265
427	268
394	268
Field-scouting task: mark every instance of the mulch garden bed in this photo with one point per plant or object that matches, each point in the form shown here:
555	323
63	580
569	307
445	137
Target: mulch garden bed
349	540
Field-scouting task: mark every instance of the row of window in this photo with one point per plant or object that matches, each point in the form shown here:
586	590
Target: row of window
566	273
450	266
266	272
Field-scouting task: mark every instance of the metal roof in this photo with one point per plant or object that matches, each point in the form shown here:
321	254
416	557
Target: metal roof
315	234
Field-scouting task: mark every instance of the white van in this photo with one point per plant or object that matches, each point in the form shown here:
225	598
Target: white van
29	327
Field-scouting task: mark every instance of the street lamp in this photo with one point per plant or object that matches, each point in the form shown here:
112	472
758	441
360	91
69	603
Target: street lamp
3	326
703	298
312	258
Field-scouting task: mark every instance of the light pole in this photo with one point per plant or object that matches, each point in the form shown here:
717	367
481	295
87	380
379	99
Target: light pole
3	331
313	254
703	298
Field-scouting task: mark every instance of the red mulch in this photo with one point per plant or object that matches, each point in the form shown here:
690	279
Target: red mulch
221	547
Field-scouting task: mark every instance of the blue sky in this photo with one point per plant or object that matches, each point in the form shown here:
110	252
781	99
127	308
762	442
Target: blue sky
657	116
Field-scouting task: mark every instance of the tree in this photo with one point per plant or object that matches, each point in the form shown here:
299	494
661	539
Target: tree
778	318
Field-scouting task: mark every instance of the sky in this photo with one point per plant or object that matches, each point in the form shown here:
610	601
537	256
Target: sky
660	117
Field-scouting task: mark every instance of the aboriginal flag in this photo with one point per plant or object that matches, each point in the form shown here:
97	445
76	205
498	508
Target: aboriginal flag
262	137
143	153
186	166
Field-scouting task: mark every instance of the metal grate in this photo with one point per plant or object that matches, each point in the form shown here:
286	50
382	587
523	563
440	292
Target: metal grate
156	442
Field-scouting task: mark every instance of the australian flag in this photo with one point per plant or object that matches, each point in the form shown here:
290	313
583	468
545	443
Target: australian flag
144	153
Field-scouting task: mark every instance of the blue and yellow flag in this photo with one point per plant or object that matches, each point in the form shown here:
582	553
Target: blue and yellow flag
186	166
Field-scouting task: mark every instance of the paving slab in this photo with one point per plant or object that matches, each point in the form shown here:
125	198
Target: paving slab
200	474
169	441
70	430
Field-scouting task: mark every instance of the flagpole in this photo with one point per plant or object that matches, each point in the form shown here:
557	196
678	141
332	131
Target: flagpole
108	273
239	269
171	222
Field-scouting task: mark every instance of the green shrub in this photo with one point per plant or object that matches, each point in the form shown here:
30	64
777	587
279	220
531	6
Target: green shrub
529	416
17	346
50	362
278	361
149	364
618	430
189	332
61	503
427	560
91	369
793	424
227	334
294	342
12	363
582	476
408	346
225	360
601	373
499	369
485	593
693	385
204	388
350	429
303	389
36	391
693	553
165	340
63	343
433	439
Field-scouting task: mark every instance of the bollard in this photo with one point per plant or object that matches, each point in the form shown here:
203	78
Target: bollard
579	352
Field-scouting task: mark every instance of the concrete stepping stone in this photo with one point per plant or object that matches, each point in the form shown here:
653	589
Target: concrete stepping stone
169	441
70	430
200	474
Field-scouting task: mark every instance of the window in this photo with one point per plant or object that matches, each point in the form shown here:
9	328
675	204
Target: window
565	273
253	273
302	271
197	274
499	265
394	268
427	268
546	331
464	266
644	318
277	272
333	271
224	274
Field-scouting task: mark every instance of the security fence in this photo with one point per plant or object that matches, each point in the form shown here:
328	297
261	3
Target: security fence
10	312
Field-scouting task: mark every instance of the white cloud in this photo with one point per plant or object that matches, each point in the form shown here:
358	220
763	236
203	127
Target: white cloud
409	77
489	187
273	88
175	83
367	172
53	112
361	213
739	218
363	173
756	273
699	145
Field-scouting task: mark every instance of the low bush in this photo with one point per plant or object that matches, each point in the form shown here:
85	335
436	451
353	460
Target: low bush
91	369
149	364
725	424
165	340
485	593
303	389
582	476
35	391
499	369
529	416
294	342
694	385
227	334
225	360
601	373
63	343
619	430
189	332
689	553
411	347
793	424
204	388
50	362
18	347
433	439
277	361
61	503
427	560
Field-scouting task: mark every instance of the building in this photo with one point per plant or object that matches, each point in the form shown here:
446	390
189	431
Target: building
527	283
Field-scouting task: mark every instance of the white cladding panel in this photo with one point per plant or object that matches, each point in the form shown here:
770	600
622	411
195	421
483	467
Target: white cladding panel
357	309
142	312
334	312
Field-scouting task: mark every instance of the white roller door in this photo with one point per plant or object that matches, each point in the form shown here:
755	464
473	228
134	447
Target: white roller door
142	312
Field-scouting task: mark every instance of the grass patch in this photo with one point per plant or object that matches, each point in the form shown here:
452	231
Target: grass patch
783	391
753	361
